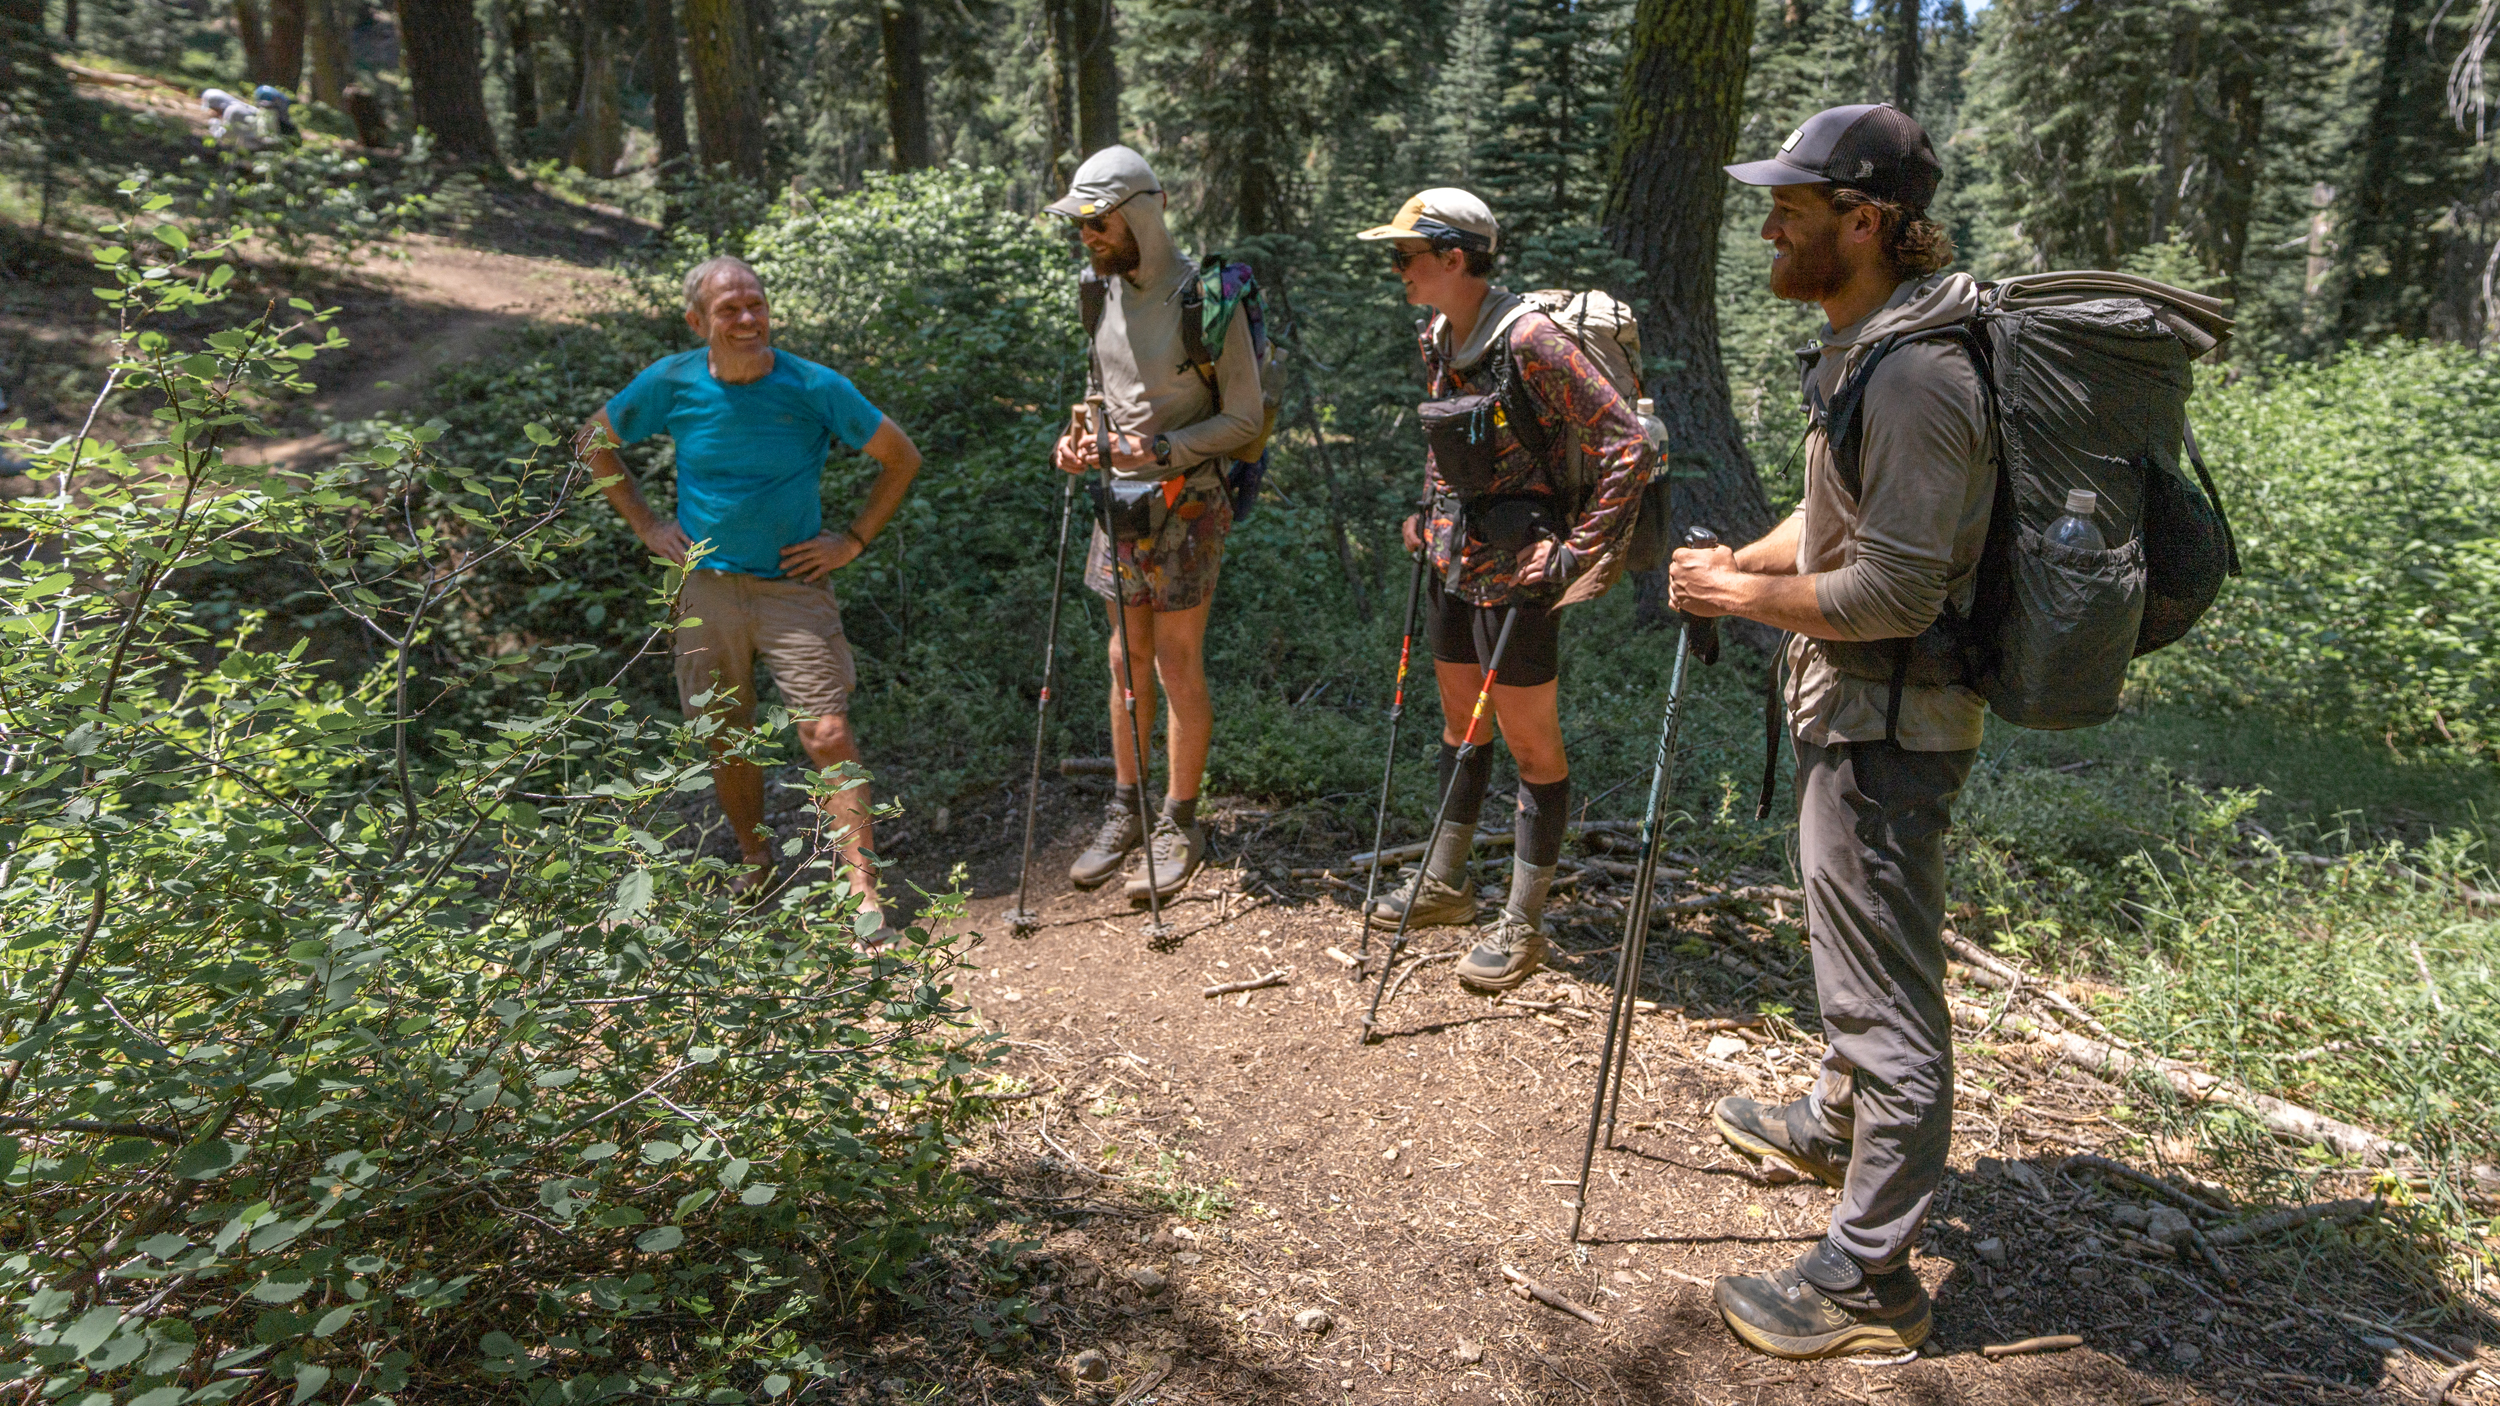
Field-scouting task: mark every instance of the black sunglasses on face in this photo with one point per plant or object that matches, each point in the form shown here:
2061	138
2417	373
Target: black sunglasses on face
1400	258
1101	224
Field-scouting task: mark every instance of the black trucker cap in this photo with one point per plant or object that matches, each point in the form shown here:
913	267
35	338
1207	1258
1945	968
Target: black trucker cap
1873	147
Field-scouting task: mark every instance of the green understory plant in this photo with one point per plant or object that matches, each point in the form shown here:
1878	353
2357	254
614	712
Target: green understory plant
337	1068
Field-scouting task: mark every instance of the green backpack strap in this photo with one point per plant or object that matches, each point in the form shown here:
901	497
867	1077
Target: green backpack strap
1213	294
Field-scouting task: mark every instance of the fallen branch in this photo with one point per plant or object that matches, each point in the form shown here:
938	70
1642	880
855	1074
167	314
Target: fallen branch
1347	958
1392	993
1399	854
2279	1117
154	1131
1532	1289
2010	977
2057	1343
2178	1196
1274	978
1551	1007
2276	1223
2449	1383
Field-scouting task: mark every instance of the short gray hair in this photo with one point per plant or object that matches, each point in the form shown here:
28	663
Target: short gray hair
703	273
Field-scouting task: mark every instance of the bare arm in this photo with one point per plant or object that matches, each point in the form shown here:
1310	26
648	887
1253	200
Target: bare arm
827	552
595	445
1759	582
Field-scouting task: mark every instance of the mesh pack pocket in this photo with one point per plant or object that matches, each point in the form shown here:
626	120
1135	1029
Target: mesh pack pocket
2068	632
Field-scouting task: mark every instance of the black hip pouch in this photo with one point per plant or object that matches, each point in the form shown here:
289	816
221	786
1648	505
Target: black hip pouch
1132	511
1461	433
1512	522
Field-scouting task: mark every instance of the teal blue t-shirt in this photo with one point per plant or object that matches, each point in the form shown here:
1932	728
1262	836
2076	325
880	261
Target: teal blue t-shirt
748	457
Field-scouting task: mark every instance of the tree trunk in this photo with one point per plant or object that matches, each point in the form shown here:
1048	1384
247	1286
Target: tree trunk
1683	92
325	44
69	20
1097	78
598	129
1059	25
2244	110
668	93
729	123
254	37
906	83
438	51
1905	15
524	94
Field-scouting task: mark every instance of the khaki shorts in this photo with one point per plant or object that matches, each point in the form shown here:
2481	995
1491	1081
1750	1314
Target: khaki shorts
797	629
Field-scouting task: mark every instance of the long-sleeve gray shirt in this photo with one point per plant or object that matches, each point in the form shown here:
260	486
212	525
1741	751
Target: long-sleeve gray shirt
1886	561
1147	380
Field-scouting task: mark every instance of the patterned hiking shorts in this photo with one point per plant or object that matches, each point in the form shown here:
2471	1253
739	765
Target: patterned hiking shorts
1176	568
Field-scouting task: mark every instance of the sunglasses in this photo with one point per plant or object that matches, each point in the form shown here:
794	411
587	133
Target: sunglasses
1101	224
1400	258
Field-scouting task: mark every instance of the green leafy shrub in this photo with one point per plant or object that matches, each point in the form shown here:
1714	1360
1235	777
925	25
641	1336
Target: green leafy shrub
321	199
2367	503
340	1067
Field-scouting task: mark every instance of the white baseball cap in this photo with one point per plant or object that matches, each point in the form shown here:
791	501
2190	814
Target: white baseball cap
1108	178
1445	215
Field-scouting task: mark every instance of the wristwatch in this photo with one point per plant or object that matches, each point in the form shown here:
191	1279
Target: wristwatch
1163	450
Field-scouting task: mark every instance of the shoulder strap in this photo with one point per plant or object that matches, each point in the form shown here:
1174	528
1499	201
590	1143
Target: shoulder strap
2213	495
1092	292
1194	335
1844	422
1518	404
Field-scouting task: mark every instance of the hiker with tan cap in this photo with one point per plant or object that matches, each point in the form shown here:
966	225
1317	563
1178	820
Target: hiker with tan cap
752	427
1505	527
1174	428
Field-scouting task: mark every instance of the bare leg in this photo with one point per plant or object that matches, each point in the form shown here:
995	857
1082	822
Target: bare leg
1459	684
829	742
1181	665
1141	638
1532	728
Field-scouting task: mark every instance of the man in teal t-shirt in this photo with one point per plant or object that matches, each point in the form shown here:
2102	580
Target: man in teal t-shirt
752	427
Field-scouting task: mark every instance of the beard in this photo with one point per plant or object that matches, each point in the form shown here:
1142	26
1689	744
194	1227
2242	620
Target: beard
1124	258
1811	271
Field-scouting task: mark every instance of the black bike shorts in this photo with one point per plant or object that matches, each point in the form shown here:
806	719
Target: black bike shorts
1465	634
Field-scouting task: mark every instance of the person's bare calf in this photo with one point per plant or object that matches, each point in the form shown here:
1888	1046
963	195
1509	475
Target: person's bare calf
829	742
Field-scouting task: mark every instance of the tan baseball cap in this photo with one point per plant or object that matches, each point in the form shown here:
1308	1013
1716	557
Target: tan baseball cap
1108	177
1445	215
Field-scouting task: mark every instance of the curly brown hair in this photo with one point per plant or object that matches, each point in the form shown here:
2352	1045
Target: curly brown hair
1914	245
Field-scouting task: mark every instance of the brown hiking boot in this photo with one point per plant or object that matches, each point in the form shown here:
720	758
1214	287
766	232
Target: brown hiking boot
1511	951
1439	905
1825	1305
1790	1133
1110	847
1176	851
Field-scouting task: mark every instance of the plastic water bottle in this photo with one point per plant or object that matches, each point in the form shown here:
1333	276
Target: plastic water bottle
2076	529
1652	428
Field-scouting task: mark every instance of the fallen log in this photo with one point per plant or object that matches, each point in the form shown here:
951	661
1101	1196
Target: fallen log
2279	1117
2275	1223
1532	1289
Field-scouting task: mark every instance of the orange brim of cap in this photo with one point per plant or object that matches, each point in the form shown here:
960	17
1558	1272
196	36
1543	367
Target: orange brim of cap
1390	232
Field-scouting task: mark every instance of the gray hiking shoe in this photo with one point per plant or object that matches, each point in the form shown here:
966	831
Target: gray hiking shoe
1101	861
1825	1305
1511	952
1176	852
1439	906
1789	1133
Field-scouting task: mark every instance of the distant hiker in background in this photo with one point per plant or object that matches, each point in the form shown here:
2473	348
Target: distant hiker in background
1856	575
232	120
1173	437
752	428
274	102
1502	530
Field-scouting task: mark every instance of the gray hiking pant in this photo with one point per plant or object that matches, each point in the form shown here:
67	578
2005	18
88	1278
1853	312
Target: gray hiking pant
1871	818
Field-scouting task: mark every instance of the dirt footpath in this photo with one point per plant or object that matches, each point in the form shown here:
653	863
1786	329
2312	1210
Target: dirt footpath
1250	1207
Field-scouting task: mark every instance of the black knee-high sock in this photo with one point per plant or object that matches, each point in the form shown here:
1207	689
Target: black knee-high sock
1467	802
1543	810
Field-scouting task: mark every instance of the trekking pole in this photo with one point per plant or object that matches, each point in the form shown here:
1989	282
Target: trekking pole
1388	766
1440	815
1155	926
1022	918
1698	635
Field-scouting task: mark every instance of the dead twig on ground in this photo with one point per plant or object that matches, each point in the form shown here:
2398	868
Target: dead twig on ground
2454	1379
1274	978
1530	1287
2277	1222
2057	1342
2180	1197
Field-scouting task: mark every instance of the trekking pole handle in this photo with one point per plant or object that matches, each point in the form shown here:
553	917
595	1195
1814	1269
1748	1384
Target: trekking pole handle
1703	630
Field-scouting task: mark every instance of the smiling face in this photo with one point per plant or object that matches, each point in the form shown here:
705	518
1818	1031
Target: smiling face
1815	248
732	315
1112	248
1431	275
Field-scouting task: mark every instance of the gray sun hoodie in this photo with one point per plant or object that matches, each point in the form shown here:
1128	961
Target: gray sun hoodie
1146	378
1888	560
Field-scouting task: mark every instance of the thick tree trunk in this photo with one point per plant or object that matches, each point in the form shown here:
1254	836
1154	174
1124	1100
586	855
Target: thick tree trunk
438	51
2375	221
906	83
668	93
598	129
254	37
2244	109
1683	91
273	53
325	45
1097	78
524	94
1905	16
729	122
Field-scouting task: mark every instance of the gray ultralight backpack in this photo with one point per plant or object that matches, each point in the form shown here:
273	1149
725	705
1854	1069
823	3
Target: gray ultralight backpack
2087	378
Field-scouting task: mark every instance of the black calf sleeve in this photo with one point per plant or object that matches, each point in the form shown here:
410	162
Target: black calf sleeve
1467	802
1543	810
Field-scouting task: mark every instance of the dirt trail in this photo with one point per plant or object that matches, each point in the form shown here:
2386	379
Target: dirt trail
1387	1187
